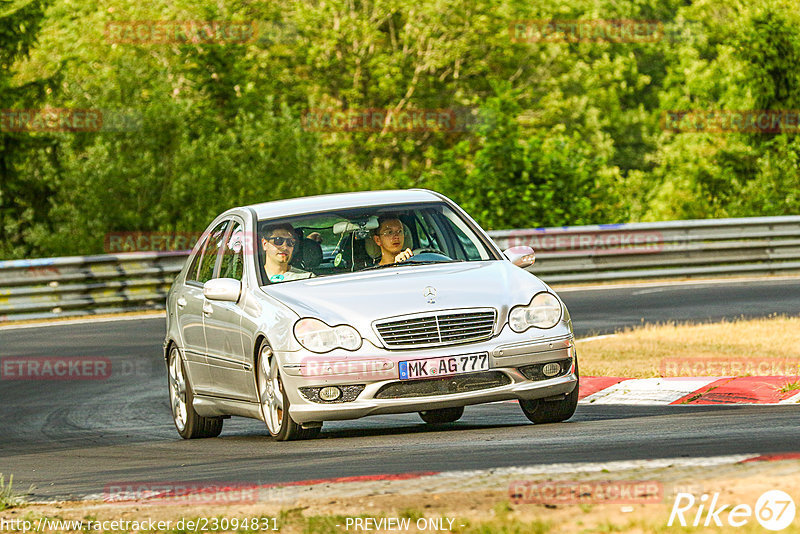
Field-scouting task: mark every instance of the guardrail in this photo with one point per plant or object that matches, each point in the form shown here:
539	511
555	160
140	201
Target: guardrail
59	287
81	285
682	249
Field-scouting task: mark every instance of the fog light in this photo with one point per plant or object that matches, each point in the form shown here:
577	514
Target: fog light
551	369
330	393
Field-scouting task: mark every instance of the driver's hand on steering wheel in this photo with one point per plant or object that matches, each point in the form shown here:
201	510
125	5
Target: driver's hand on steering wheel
403	256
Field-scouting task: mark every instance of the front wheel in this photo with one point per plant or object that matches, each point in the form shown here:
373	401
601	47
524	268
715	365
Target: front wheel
274	402
189	424
442	415
542	411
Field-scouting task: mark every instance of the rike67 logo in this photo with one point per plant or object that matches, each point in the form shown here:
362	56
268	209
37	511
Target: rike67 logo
774	510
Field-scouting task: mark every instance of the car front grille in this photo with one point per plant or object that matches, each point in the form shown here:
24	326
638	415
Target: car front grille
443	386
443	328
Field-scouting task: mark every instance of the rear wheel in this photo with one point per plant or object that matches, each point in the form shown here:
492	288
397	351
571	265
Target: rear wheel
189	424
543	411
442	415
274	402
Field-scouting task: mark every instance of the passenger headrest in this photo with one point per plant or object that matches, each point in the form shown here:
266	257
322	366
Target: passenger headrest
309	256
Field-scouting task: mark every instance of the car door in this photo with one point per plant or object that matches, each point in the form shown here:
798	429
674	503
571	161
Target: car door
190	301
227	364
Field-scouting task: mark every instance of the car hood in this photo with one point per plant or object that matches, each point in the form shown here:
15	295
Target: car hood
360	298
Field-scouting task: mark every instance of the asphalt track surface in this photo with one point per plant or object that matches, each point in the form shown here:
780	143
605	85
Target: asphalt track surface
73	438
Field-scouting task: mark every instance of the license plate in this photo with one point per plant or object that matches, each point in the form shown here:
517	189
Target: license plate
447	365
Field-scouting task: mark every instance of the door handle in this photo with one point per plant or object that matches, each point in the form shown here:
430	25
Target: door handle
207	309
181	303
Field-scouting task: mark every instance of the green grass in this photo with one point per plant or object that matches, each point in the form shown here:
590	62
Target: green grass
8	497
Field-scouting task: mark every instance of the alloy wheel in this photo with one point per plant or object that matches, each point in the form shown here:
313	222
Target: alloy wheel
270	391
177	389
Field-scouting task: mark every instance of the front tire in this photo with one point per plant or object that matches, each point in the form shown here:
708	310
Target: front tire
540	411
189	424
442	416
274	402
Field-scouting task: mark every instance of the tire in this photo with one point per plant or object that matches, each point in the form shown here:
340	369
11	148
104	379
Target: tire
540	411
189	424
442	415
274	403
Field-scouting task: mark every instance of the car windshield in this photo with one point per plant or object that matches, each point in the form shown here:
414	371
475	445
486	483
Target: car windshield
344	240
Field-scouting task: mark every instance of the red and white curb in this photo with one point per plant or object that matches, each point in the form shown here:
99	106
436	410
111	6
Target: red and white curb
691	390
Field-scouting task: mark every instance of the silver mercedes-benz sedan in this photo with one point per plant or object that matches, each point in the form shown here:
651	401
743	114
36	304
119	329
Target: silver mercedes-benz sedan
307	310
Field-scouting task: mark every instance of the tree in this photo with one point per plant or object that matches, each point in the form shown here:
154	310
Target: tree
24	193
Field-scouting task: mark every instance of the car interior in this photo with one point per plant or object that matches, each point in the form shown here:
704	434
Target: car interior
347	244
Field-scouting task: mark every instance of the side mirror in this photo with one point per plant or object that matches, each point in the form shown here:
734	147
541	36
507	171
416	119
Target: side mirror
225	289
522	256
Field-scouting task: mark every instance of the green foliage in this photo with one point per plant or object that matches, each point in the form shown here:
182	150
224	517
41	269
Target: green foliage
24	191
517	182
549	133
8	497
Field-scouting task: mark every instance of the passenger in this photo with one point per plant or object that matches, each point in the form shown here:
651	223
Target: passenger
389	236
279	243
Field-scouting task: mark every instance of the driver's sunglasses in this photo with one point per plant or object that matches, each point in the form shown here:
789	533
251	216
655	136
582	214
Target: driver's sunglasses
279	241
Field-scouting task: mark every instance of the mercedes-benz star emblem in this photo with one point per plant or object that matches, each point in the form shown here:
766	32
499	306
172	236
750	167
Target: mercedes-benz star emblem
430	294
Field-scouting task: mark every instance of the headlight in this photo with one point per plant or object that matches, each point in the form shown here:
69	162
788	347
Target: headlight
544	311
317	336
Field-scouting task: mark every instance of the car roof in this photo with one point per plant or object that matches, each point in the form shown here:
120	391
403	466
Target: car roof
363	199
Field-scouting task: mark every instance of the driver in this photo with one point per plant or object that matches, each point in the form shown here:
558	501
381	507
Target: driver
279	243
389	237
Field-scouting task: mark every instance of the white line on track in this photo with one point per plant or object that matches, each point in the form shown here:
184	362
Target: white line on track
85	320
594	338
667	285
480	479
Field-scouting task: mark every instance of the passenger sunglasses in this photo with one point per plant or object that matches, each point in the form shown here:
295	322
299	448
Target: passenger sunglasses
279	241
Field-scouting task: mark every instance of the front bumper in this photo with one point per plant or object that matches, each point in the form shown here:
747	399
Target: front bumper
507	354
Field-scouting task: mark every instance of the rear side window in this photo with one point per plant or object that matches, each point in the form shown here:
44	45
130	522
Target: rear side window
232	265
191	274
214	242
